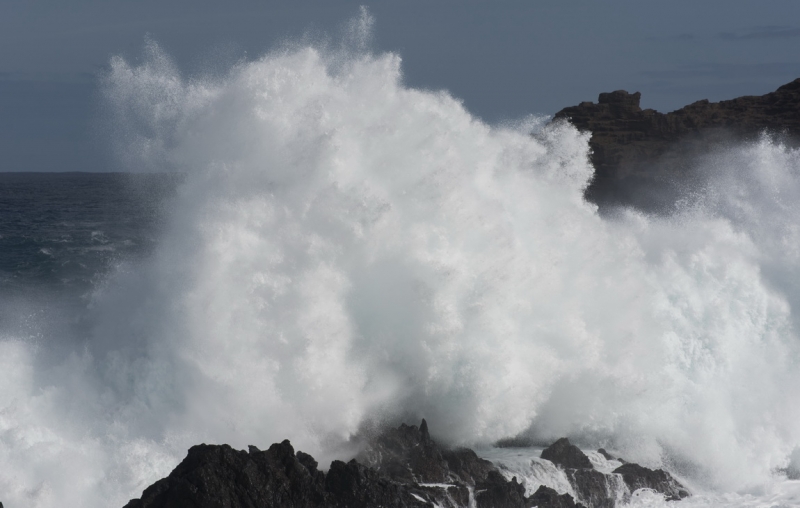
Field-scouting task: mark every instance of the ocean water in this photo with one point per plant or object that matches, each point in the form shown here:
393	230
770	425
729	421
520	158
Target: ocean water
337	251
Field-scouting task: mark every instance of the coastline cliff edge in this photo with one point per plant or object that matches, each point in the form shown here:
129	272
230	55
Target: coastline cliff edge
644	158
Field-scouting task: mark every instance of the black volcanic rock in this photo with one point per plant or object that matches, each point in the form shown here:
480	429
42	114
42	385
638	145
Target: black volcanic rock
638	477
407	454
599	490
212	476
545	496
592	487
307	460
409	471
567	455
495	491
640	156
406	469
219	476
353	485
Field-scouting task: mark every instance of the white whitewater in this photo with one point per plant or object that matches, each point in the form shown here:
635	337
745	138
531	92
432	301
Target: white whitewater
526	465
347	250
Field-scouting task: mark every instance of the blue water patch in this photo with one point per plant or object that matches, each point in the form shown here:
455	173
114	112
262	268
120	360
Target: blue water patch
61	231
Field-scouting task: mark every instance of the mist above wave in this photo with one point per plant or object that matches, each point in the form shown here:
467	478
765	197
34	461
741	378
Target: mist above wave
346	251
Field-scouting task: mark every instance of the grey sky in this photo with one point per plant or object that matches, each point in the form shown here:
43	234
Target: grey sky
505	59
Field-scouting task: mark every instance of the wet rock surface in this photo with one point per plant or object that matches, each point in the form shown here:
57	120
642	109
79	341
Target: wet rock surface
608	456
219	476
638	477
545	496
408	454
643	158
567	455
496	491
593	488
599	490
354	485
401	467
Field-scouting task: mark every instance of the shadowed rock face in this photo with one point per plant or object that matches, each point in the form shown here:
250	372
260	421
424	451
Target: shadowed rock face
219	476
404	468
546	496
567	455
591	486
408	454
599	490
400	468
642	157
638	477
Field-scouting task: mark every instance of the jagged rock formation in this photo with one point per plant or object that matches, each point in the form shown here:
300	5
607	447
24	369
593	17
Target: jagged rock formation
642	156
215	476
567	455
592	487
408	454
546	496
599	490
638	477
400	468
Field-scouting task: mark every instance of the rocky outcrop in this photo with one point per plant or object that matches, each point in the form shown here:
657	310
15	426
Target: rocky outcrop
567	455
591	486
545	496
219	475
353	485
407	454
495	490
638	477
595	489
600	490
642	157
399	468
212	476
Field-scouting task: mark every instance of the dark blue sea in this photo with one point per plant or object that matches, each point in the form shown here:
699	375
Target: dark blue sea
63	230
61	234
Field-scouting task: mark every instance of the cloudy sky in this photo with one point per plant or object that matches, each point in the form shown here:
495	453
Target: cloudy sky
504	59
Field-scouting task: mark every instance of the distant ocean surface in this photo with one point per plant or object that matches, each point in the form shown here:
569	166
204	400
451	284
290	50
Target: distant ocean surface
343	251
61	231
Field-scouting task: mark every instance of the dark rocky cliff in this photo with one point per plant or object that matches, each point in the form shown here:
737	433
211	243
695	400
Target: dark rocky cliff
643	157
400	468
